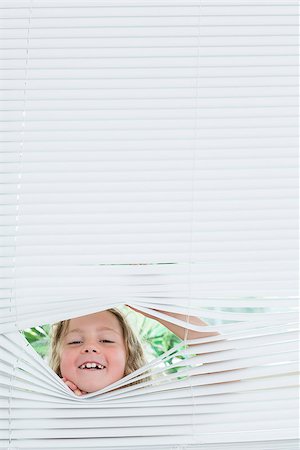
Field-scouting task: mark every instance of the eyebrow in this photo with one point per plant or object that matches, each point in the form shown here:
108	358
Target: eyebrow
79	330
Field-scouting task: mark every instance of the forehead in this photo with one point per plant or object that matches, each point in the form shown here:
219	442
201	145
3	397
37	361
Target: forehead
97	321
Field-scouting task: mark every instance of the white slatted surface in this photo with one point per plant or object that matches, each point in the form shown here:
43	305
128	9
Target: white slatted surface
149	157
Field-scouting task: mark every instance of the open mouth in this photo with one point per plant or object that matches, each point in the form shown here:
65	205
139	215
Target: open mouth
91	366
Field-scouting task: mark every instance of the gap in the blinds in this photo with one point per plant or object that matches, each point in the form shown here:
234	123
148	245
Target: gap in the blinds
96	345
116	345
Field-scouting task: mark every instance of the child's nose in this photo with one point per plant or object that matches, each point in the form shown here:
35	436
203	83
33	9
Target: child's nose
89	348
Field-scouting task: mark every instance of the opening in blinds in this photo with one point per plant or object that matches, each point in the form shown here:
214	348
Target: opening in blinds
149	157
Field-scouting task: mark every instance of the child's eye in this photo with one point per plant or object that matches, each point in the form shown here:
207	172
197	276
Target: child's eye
106	341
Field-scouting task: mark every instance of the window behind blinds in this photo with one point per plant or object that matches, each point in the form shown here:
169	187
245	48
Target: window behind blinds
149	158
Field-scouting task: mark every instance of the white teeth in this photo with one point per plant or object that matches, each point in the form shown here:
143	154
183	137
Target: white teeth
91	366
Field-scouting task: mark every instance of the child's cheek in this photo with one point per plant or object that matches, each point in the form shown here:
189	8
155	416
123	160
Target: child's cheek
66	366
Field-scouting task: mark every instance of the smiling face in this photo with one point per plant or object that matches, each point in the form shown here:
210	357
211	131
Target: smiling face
96	339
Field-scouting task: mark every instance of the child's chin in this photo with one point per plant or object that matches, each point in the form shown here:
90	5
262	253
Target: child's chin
91	387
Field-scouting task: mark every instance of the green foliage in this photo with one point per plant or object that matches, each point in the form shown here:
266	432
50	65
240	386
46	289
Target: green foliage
39	338
159	340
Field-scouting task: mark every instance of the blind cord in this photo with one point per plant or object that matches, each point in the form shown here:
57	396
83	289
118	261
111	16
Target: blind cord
193	405
10	392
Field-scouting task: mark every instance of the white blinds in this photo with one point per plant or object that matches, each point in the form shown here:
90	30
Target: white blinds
149	157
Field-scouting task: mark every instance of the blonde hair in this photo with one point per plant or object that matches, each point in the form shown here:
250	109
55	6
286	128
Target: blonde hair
135	357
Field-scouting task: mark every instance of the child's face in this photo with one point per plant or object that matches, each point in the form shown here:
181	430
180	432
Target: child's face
96	338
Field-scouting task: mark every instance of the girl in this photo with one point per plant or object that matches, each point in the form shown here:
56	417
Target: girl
93	351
